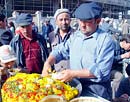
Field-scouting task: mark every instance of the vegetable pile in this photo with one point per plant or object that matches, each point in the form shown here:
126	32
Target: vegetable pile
32	88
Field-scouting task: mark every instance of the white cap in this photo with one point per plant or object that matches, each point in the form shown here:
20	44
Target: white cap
6	54
59	11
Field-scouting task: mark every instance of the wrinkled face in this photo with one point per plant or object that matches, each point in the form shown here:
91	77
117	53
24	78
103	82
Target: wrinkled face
63	21
26	30
8	64
88	26
125	45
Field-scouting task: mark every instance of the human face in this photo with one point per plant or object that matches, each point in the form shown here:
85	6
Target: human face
26	30
63	21
8	64
125	45
3	24
87	27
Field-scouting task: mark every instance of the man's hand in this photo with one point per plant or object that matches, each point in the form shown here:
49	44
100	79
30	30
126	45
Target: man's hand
66	75
46	72
47	65
125	55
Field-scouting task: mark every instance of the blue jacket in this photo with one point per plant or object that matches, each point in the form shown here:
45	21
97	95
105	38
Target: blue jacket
16	44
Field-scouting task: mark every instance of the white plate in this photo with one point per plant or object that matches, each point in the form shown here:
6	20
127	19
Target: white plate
86	99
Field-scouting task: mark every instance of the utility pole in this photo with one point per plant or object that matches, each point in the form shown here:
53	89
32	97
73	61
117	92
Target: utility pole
5	5
61	4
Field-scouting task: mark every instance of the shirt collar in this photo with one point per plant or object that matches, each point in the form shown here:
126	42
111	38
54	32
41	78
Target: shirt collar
94	35
56	31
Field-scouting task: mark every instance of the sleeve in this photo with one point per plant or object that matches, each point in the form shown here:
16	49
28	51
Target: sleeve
17	48
105	55
61	51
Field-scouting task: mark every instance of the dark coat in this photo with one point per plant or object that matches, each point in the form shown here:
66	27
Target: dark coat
16	44
5	37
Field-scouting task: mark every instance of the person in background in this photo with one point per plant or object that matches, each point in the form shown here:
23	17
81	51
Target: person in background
117	66
5	34
46	28
125	27
11	27
30	47
34	27
91	53
107	26
61	34
123	92
121	60
7	61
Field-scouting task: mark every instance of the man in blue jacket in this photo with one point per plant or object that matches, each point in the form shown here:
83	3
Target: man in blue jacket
91	53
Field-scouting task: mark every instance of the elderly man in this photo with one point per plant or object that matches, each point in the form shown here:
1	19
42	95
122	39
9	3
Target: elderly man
61	34
90	51
5	34
30	47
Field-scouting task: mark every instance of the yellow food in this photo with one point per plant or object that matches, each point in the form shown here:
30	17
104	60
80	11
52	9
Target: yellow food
32	88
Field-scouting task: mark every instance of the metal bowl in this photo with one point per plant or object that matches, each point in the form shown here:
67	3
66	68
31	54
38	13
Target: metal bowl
76	83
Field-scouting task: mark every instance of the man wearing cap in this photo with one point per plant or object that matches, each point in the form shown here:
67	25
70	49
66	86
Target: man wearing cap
5	34
30	47
61	34
90	51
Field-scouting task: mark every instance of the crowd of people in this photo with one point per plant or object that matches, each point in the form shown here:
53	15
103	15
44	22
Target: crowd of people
95	53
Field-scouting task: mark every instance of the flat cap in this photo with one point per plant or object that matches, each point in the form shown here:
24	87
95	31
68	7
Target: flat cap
24	19
59	11
88	11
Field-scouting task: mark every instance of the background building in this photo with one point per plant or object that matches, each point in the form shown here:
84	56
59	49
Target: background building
111	8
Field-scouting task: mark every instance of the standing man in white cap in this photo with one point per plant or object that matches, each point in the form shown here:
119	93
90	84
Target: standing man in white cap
91	53
61	34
